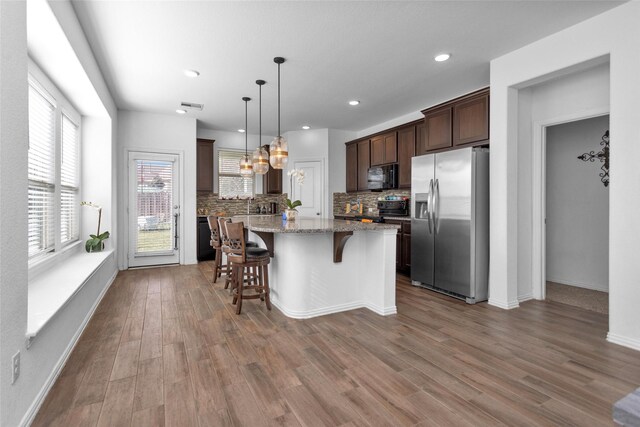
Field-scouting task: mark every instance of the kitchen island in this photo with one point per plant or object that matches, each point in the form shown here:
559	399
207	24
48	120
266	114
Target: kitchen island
321	266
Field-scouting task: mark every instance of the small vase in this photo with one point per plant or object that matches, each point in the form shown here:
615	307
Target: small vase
291	214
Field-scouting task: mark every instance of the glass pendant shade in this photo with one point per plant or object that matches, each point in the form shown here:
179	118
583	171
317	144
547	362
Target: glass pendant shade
260	161
279	153
246	166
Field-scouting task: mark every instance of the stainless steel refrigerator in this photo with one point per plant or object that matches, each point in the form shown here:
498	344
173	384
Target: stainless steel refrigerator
450	223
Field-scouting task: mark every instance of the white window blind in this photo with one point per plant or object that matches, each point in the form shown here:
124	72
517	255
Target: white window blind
230	183
41	172
69	180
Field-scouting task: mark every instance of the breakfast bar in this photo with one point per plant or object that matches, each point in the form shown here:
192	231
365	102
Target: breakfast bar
322	266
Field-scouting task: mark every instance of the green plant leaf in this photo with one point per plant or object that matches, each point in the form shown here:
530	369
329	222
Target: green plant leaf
296	204
93	236
104	236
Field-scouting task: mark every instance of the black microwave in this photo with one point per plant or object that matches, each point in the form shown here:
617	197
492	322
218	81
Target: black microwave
382	177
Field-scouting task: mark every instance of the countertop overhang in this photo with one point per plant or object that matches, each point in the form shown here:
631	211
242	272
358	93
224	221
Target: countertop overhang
310	225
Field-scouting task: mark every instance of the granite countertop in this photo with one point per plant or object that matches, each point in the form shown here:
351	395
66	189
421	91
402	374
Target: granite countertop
275	224
398	218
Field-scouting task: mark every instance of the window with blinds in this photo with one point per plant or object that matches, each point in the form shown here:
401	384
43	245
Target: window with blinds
69	182
230	183
42	143
53	174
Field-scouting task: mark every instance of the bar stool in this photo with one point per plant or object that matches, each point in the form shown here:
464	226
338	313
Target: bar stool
216	244
241	258
224	246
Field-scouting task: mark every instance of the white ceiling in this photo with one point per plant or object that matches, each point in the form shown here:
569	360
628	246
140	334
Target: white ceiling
380	53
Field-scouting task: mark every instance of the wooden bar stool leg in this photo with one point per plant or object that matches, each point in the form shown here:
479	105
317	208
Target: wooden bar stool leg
265	277
234	286
239	288
227	279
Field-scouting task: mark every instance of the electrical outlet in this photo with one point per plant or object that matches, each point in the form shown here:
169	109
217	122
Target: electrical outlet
15	372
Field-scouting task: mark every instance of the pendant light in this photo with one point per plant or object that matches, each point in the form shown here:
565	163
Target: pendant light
260	156
278	149
246	166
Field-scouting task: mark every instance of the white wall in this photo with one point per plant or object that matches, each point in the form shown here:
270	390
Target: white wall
232	141
312	144
578	94
577	206
160	133
39	363
614	33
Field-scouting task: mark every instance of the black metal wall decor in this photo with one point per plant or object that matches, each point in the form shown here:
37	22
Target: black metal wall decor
603	156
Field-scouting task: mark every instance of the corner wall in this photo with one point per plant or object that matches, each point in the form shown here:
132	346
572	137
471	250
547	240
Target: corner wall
614	33
164	134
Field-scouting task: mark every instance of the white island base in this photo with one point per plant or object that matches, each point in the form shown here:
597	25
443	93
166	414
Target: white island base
305	282
304	279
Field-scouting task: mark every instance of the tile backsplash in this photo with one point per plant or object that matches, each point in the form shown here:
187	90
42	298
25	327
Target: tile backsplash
209	203
369	200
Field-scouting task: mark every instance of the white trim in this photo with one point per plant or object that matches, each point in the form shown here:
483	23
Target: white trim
31	413
526	297
382	311
577	284
505	305
538	193
632	343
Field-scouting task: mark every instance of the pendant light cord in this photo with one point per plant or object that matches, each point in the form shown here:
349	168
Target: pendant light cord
246	130
260	117
279	134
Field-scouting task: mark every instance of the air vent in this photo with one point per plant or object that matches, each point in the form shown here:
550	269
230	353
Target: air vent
192	106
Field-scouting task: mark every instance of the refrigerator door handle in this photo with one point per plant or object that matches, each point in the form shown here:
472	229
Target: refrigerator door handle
429	204
436	208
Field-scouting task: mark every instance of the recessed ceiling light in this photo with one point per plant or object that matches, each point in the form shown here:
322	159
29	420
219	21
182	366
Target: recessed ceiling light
442	57
181	111
305	127
241	130
354	102
191	73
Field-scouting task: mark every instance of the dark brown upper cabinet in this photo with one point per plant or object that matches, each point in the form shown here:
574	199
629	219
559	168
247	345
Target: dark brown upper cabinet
406	150
204	168
352	167
384	149
421	141
471	120
437	125
363	164
272	180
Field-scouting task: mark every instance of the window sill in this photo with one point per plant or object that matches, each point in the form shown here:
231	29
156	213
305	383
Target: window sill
51	290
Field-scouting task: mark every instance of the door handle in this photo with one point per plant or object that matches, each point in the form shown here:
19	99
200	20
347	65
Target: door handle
429	204
318	213
175	232
436	208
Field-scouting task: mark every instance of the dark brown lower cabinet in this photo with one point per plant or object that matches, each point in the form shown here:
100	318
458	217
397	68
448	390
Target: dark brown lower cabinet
403	246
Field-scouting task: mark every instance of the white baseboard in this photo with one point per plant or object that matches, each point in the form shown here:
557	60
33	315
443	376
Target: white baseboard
632	343
525	297
35	406
578	284
307	314
505	305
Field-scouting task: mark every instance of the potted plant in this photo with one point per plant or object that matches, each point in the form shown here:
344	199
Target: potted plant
96	241
291	213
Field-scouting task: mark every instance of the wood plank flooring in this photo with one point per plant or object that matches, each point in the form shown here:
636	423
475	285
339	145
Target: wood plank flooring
165	348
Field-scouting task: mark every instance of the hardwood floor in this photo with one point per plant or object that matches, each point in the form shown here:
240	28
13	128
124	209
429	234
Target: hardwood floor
166	348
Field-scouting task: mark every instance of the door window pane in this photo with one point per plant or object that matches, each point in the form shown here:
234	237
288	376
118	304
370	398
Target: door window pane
155	230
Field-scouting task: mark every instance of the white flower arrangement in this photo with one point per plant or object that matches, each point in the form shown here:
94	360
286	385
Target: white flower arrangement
298	174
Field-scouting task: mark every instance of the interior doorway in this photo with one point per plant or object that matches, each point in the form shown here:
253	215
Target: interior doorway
311	191
577	213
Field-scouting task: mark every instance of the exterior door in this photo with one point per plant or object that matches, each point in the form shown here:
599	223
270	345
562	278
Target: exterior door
453	220
310	193
154	210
